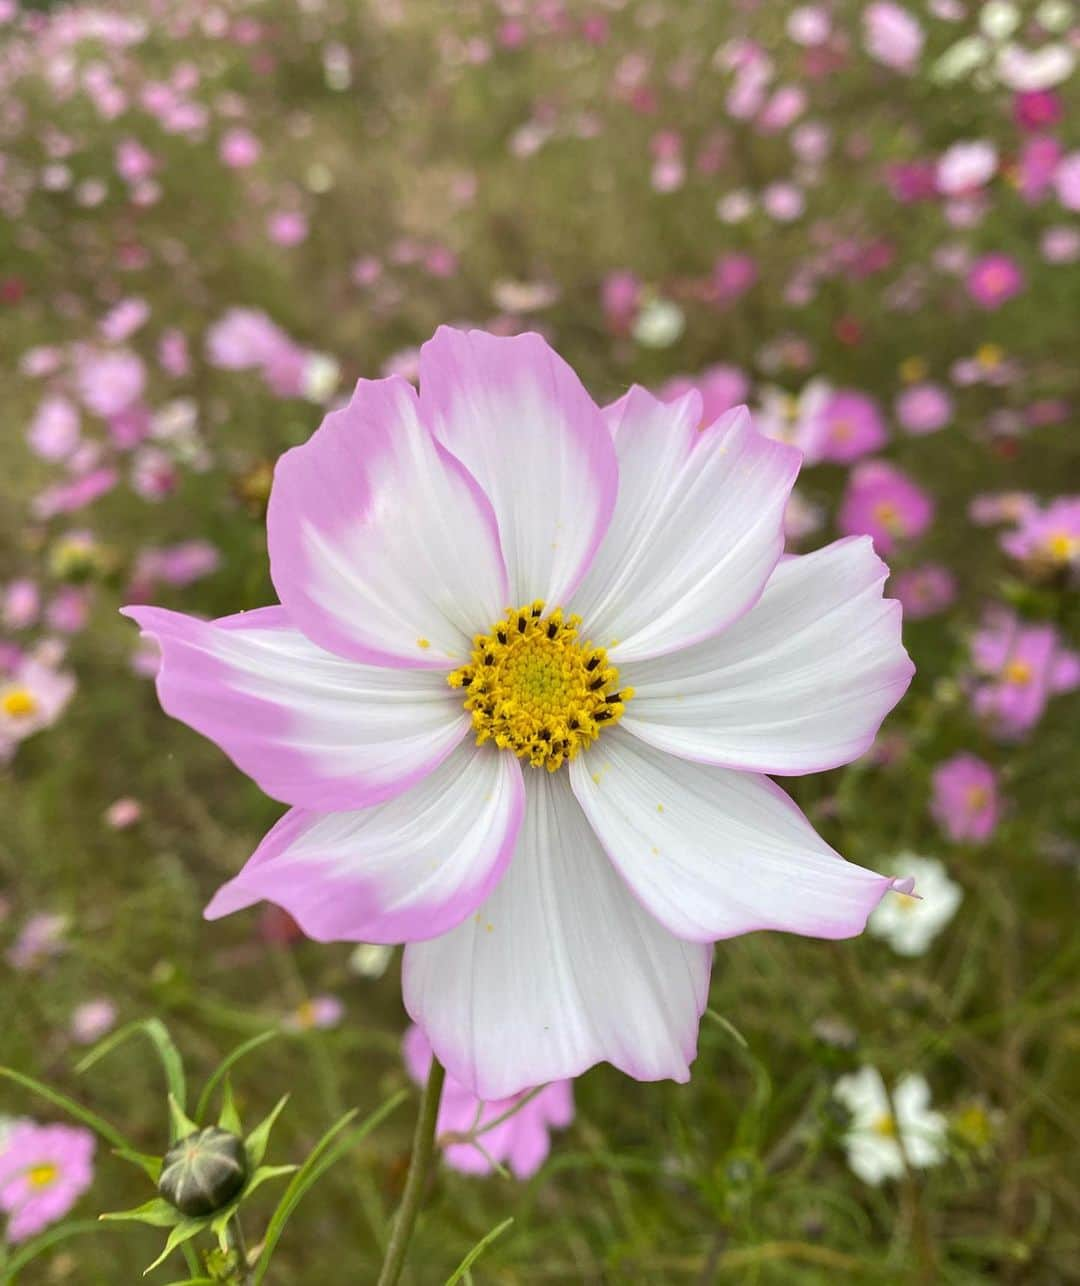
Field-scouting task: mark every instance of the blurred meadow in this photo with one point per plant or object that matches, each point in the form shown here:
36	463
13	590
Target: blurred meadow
859	218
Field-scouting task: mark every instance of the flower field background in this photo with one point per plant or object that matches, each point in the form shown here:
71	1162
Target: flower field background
862	220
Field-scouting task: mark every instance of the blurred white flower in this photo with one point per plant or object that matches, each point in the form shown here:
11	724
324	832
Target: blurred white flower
873	1139
369	960
909	924
321	376
659	324
998	20
1029	70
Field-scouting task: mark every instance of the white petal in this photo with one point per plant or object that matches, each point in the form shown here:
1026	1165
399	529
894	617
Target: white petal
697	529
714	853
559	969
799	684
519	419
311	728
398	872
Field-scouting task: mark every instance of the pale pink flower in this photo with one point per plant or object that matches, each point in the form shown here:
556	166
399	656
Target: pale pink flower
892	35
109	382
924	591
883	502
20	603
40	939
965	167
965	800
521	1142
553	919
287	227
1067	181
32	697
124	319
122	813
849	426
1047	537
91	1020
318	1013
44	1170
1019	667
924	408
54	430
239	148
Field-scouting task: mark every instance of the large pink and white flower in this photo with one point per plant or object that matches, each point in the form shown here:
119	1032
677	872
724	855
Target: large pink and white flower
531	665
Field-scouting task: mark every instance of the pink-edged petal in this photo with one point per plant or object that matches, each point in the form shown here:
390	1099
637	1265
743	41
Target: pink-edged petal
398	872
383	548
799	684
713	853
519	419
559	969
309	727
697	529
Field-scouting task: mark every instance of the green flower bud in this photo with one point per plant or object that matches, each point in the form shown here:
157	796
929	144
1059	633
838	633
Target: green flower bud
204	1171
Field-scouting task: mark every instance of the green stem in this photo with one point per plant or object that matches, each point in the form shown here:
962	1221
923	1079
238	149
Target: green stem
419	1164
235	1236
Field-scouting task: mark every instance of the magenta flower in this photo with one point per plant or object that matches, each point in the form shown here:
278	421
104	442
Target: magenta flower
892	36
44	1170
721	388
924	408
54	431
521	1142
850	426
965	802
597	598
924	591
882	502
994	279
1019	667
1047	538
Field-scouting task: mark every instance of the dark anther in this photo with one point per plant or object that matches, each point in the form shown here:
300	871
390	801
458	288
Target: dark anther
612	697
573	725
592	663
466	679
501	636
553	629
521	624
489	658
601	715
597	683
537	610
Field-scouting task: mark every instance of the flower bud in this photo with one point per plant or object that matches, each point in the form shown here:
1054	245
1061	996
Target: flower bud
203	1172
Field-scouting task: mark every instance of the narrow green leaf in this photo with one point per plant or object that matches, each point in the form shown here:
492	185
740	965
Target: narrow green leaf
30	1251
225	1065
181	1124
323	1155
80	1113
196	1281
259	1137
462	1270
158	1035
149	1164
267	1172
229	1118
184	1231
729	1027
156	1212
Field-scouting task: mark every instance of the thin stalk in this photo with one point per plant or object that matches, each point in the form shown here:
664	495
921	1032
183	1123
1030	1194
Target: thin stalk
419	1164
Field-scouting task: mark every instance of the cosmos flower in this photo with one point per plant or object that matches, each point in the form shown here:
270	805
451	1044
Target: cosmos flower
1019	667
874	1136
796	420
44	1169
994	279
318	1013
521	1142
721	387
883	502
923	408
892	36
91	1020
910	924
965	800
1047	539
40	938
850	426
531	664
924	591
31	698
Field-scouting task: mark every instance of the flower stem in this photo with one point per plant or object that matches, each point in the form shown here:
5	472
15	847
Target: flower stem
235	1235
419	1164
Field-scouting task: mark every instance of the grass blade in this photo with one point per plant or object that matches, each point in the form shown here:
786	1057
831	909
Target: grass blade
80	1113
462	1269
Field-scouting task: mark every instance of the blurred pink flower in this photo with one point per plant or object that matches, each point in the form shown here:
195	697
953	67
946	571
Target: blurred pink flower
850	426
68	497
239	148
32	697
287	227
965	167
923	408
91	1020
122	813
173	354
318	1013
109	382
1067	181
522	1142
124	319
68	609
54	430
994	507
20	603
44	1169
40	938
1050	536
886	504
1037	109
1019	667
994	279
1037	166
721	387
621	297
965	799
924	591
892	35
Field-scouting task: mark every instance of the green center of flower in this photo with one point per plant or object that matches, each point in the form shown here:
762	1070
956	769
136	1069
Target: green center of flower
533	688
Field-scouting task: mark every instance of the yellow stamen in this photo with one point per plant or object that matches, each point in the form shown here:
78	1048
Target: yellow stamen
885	1126
1018	672
989	356
19	703
41	1176
889	516
533	688
842	430
1062	547
912	369
976	797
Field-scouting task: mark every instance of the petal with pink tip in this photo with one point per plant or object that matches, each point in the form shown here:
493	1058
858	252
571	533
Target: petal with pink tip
309	727
383	548
559	969
402	871
519	419
714	853
697	529
800	684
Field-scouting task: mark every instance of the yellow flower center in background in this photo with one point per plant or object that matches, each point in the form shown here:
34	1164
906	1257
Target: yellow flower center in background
885	1126
1061	547
532	688
989	356
1018	672
41	1176
19	703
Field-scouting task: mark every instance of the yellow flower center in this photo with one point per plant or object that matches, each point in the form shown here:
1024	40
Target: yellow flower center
532	688
1018	672
906	902
885	1125
842	430
1061	546
19	703
976	797
41	1176
912	369
889	516
989	356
